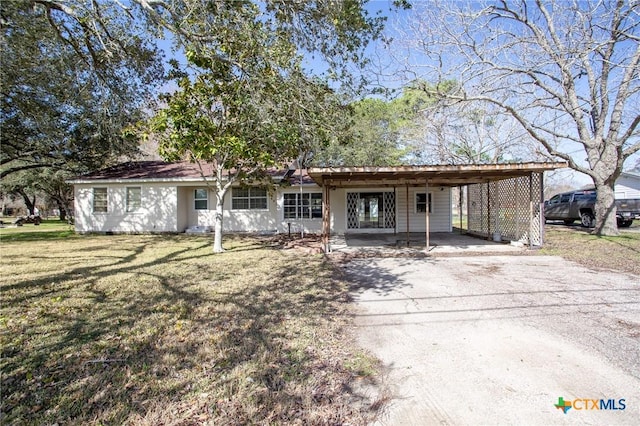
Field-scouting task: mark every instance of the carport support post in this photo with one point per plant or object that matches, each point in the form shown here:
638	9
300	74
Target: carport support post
407	194
540	200
326	218
426	216
531	215
460	208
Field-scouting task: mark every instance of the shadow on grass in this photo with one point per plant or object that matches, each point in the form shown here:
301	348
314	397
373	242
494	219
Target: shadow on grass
163	329
37	236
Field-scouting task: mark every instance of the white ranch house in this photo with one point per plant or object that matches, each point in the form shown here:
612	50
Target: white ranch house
155	196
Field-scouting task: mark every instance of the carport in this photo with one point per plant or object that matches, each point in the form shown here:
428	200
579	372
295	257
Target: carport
504	201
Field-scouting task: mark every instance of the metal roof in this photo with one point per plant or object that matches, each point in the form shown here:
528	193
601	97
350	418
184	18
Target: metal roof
439	175
179	171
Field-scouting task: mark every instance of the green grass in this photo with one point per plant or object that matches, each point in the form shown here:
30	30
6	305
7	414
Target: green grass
151	329
455	221
47	230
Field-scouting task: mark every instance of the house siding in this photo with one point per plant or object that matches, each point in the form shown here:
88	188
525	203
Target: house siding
157	212
171	208
627	186
261	220
182	208
297	225
439	218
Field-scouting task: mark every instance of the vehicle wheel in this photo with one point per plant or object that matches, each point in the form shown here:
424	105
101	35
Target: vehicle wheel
568	221
625	223
587	220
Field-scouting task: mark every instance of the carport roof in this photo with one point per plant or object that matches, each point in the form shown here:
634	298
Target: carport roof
438	175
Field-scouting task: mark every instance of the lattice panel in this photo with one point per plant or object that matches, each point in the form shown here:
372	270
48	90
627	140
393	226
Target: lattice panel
476	208
353	199
511	207
473	218
537	218
389	209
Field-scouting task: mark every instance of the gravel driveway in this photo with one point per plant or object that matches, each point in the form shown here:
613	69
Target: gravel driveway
498	339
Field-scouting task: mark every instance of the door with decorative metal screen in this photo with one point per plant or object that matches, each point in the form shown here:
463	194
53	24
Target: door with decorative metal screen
371	210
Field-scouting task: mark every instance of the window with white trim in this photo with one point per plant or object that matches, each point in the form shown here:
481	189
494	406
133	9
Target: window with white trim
201	199
303	206
100	200
248	199
134	198
421	202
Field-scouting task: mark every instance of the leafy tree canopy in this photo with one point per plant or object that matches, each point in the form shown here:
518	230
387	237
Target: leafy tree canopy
245	103
65	102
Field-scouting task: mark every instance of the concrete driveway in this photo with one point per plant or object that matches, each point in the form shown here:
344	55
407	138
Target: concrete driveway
498	339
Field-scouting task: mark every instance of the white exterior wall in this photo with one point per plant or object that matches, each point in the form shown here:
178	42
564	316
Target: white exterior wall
233	220
440	216
249	220
270	219
627	186
297	225
169	208
157	212
338	199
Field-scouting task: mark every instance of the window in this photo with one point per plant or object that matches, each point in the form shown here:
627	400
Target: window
134	198
99	200
201	199
248	199
303	206
585	196
565	198
421	203
555	199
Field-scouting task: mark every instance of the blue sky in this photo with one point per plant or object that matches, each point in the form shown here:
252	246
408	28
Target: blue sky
383	7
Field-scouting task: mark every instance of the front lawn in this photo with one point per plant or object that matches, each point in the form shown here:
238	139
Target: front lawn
621	253
48	229
156	329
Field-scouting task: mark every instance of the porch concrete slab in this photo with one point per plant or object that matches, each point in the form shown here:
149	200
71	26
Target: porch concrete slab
439	243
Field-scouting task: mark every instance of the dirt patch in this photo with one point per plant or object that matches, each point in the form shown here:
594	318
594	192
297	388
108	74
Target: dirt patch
309	244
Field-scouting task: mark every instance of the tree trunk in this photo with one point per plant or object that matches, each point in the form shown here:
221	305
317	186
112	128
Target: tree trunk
217	237
605	210
62	209
31	204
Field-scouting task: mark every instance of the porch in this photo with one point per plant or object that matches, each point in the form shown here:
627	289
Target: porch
504	201
439	243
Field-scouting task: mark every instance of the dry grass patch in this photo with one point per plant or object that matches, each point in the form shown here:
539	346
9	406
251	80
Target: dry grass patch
158	330
620	253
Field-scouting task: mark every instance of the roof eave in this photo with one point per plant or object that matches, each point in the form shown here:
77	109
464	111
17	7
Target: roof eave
446	175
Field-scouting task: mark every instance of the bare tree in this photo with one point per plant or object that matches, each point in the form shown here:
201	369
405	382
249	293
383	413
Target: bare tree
566	71
468	133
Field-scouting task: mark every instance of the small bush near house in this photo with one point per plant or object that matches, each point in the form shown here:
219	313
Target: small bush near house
158	330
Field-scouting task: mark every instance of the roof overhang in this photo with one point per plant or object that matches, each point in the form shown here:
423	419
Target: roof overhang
438	175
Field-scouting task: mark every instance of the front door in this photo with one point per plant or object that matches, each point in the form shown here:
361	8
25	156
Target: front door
371	210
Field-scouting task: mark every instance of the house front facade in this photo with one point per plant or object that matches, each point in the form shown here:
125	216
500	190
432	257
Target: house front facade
163	197
505	201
